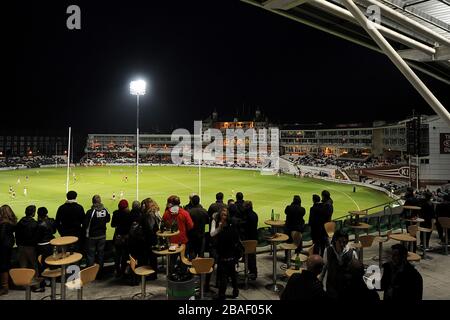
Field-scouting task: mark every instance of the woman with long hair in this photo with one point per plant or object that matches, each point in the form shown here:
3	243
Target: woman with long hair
149	222
8	221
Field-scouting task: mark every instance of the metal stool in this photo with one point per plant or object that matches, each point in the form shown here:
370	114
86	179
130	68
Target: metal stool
141	271
23	277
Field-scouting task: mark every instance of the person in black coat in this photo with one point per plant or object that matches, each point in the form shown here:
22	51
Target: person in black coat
45	232
305	286
227	246
26	239
196	236
327	203
442	210
317	220
400	280
238	214
69	220
95	231
294	218
8	223
251	233
121	221
426	213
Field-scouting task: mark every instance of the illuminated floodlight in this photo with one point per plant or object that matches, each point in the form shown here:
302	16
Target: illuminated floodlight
137	87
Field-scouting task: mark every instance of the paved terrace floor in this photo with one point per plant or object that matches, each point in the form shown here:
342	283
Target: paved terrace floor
435	273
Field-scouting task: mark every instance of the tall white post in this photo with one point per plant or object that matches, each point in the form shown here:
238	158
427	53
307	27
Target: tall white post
68	160
137	149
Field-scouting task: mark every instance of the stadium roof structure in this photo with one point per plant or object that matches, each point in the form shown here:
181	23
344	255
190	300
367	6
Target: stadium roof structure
418	32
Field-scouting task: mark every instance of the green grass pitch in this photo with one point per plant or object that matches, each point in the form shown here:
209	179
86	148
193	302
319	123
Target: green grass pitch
46	187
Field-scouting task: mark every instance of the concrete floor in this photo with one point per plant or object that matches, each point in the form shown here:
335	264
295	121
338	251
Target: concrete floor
435	273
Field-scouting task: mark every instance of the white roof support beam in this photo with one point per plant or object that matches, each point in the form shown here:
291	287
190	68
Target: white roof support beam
410	23
421	88
282	4
442	54
391	34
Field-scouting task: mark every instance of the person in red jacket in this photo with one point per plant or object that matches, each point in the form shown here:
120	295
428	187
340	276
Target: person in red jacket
183	219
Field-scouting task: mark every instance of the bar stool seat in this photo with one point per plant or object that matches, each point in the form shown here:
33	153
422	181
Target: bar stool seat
202	266
330	228
85	277
413	257
23	277
249	248
141	271
52	274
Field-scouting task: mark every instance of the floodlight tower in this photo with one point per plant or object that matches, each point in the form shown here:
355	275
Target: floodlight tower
137	88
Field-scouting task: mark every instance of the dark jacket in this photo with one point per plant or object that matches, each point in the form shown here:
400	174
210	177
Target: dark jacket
69	219
46	229
150	225
317	220
228	243
328	209
26	232
405	284
135	215
7	239
443	209
304	287
251	225
294	218
213	208
95	222
200	218
121	220
426	213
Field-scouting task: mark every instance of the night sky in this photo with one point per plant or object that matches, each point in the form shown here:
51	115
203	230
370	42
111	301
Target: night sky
197	56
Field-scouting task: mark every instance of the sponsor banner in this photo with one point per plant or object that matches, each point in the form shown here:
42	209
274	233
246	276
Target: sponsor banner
400	172
444	143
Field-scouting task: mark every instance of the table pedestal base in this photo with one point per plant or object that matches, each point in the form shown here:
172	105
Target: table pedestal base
275	287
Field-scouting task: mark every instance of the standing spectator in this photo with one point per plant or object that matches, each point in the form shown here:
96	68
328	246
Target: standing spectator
8	223
400	280
190	205
305	286
135	213
237	214
175	214
95	226
45	232
337	258
317	220
196	235
426	213
69	219
149	222
251	233
229	251
26	238
327	204
121	221
442	210
213	208
294	219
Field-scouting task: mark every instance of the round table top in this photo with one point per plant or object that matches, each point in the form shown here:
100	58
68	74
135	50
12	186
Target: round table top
416	220
167	252
278	237
412	208
290	272
167	234
63	241
275	223
358	213
402	237
59	261
360	225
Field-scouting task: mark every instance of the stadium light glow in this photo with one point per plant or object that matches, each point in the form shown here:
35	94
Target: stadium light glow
137	87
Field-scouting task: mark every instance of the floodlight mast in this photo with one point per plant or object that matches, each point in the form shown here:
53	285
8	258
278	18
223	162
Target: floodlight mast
137	88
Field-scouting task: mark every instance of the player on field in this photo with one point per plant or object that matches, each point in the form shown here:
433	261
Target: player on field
10	189
14	194
114	196
25	191
18	180
121	195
